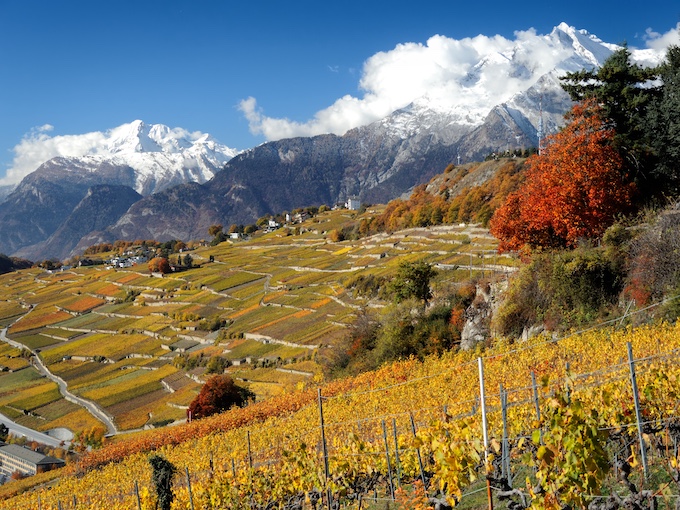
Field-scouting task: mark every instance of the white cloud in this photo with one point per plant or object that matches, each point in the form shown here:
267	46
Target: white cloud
37	146
660	42
468	73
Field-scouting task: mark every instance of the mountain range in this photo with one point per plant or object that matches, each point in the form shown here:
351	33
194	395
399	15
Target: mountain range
42	216
157	185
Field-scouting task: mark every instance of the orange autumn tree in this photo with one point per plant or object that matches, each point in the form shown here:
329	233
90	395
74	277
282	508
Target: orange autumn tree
159	265
573	190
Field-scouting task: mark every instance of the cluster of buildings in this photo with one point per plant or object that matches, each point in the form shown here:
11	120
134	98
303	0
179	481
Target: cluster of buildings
125	261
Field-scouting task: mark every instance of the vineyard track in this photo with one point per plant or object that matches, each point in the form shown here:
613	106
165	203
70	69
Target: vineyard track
269	340
91	407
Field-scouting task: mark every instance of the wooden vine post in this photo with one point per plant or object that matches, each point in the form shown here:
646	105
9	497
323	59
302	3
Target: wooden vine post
325	449
482	400
638	414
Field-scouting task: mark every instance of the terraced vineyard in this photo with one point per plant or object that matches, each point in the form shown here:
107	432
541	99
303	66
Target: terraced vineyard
113	334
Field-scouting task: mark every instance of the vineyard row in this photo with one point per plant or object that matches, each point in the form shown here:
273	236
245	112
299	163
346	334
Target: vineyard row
436	452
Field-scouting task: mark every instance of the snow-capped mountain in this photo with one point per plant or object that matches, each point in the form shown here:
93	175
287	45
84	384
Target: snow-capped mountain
523	81
159	156
146	158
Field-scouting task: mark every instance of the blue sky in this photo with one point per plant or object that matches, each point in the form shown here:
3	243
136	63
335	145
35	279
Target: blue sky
80	66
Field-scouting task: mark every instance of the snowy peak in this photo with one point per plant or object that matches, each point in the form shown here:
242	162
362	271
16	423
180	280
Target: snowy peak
156	155
587	48
511	74
139	137
131	138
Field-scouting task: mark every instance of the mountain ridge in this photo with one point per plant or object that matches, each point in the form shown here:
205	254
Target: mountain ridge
375	162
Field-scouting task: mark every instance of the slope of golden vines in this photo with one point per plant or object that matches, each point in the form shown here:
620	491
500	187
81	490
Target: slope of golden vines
356	408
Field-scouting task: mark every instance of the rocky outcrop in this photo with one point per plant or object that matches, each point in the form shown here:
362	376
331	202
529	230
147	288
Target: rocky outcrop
478	316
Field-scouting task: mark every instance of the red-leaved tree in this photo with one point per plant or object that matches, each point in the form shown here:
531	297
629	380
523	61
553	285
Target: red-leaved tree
218	394
573	190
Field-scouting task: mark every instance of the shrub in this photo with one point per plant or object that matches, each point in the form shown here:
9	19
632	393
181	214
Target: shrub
368	286
92	438
413	281
159	265
131	295
654	268
213	325
574	189
219	238
561	289
352	353
216	365
404	329
335	236
163	472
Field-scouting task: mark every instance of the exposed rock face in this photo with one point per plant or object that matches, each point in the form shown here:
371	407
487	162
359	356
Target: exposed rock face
477	320
44	199
173	214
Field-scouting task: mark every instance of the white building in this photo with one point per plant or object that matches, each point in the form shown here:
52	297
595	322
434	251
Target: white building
353	204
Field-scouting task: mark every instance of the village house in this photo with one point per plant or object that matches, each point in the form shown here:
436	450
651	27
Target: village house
353	204
272	225
301	216
121	262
